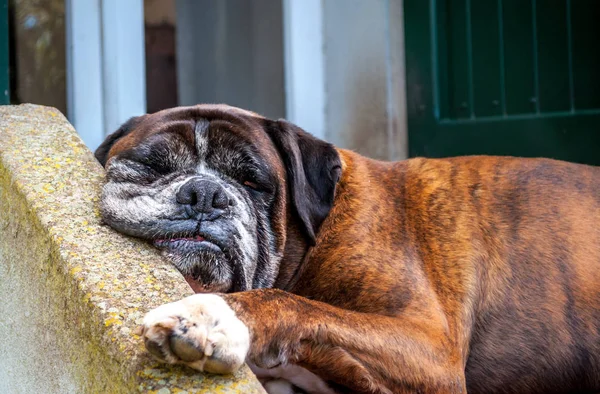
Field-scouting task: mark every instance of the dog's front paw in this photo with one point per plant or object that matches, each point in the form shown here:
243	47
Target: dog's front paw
200	331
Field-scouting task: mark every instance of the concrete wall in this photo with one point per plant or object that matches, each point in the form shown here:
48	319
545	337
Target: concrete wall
74	291
364	77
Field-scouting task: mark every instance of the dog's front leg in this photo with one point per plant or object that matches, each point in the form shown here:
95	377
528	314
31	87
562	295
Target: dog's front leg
362	352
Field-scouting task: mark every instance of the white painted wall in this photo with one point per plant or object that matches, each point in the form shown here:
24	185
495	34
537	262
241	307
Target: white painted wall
124	61
84	70
345	78
304	64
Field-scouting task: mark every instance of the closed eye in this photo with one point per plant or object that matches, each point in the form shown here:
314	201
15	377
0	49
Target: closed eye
125	170
251	185
258	185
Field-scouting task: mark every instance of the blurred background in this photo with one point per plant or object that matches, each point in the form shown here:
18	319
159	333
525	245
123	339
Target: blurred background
390	79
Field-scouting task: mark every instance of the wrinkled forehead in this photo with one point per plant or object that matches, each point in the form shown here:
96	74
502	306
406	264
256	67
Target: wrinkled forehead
201	130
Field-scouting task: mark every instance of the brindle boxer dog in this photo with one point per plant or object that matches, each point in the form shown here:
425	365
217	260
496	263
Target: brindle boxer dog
345	274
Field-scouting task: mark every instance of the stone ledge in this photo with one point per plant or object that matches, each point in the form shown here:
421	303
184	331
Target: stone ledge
73	290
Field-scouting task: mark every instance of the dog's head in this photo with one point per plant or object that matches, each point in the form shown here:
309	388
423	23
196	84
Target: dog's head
216	187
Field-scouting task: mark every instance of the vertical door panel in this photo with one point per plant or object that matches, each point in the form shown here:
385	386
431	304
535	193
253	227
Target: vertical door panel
585	22
488	78
553	55
517	27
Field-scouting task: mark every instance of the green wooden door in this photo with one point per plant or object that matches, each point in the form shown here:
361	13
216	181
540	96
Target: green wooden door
504	77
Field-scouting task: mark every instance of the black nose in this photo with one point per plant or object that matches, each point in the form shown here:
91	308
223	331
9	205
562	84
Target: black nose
204	196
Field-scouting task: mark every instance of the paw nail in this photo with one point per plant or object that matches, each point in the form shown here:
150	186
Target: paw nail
184	349
154	349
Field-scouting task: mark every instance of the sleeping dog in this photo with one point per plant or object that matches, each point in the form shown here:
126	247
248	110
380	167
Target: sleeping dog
339	273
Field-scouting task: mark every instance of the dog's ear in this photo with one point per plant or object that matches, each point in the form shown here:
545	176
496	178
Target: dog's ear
101	152
313	169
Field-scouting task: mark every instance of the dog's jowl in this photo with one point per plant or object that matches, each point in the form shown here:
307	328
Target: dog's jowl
330	272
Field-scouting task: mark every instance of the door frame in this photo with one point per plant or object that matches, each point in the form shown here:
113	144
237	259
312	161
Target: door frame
106	67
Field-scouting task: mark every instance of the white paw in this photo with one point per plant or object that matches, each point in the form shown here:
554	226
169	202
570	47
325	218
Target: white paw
279	386
200	331
284	378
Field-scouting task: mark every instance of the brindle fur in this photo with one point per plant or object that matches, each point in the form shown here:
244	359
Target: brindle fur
475	274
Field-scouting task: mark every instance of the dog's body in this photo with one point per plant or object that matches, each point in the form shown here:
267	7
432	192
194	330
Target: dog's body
427	275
